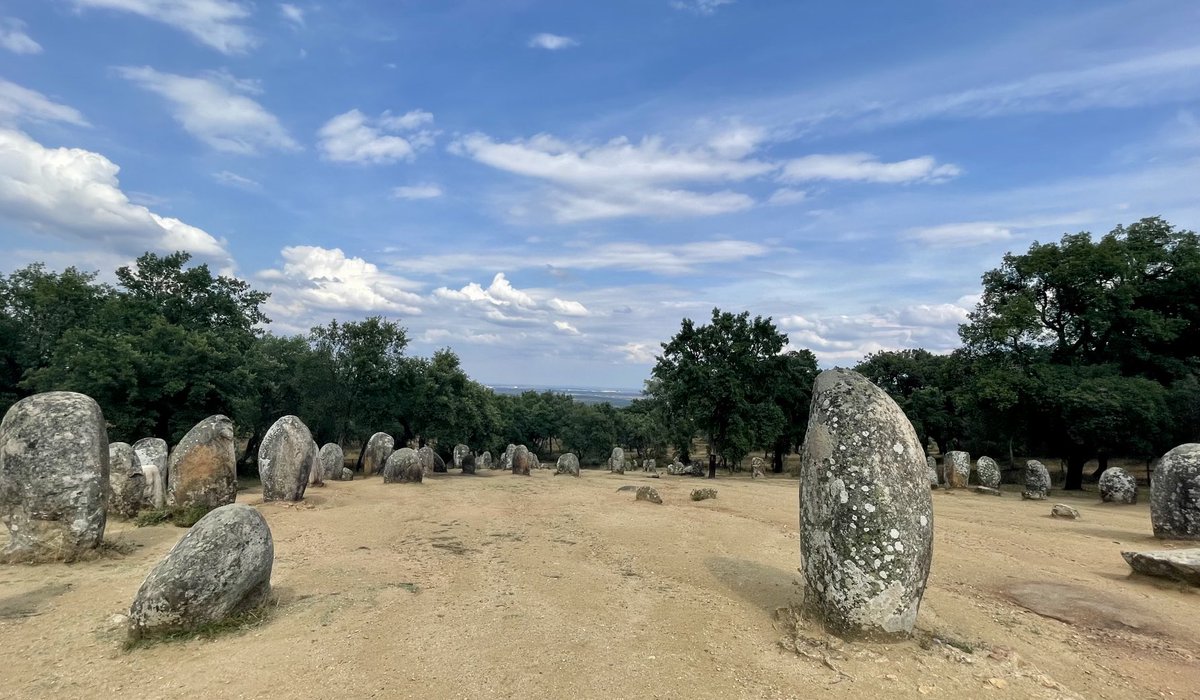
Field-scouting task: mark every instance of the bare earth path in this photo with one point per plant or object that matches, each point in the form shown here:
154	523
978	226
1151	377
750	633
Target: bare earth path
503	586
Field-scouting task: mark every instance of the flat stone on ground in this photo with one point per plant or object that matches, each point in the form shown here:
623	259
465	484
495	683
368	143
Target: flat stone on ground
1179	564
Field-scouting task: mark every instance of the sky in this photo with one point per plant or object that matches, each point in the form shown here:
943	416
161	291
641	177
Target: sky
549	188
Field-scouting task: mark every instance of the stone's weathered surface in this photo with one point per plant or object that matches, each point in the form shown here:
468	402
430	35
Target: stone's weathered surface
506	458
347	474
460	451
932	448
202	469
467	463
403	466
866	515
756	468
1175	494
568	464
646	493
1037	480
221	568
316	471
956	466
1062	510
426	456
1033	495
988	472
703	494
1179	564
627	487
439	464
379	447
484	461
616	462
931	470
154	451
53	476
155	493
649	465
675	468
988	491
333	461
285	459
523	461
126	481
1118	486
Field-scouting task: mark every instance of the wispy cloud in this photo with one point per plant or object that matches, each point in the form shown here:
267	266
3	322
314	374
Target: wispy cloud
19	103
292	14
234	180
551	42
700	7
216	110
216	23
864	167
13	37
421	191
352	137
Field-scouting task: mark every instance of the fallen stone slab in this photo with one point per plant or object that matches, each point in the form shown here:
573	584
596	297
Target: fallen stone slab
988	491
1179	564
1062	510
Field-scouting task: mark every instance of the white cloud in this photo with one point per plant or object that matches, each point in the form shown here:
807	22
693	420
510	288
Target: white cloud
639	353
551	42
352	137
212	110
215	23
864	167
291	13
700	7
22	104
234	180
421	191
314	279
961	234
13	37
500	293
786	196
567	308
566	328
846	339
435	336
75	194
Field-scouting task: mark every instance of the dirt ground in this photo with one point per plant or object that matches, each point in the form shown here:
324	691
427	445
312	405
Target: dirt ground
505	586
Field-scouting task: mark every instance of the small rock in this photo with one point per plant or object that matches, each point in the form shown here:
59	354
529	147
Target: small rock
988	491
126	481
1179	564
645	493
1033	495
1062	510
626	487
998	683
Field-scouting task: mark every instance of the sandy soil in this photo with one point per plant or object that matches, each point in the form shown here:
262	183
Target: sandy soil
504	586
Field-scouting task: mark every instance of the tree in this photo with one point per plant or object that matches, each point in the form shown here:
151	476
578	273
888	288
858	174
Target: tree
719	375
792	388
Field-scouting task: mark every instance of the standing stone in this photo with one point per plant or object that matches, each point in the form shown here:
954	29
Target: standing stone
616	463
154	495
484	461
988	472
932	448
756	468
439	464
285	459
523	461
1118	486
316	471
333	461
1175	494
931	470
202	469
467	463
1037	481
126	481
53	476
152	451
460	451
866	516
648	465
403	466
347	474
221	568
957	468
568	464
426	457
376	453
506	459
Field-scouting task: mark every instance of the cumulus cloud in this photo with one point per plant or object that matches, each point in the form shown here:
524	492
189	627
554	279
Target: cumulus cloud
19	103
352	137
313	278
13	37
567	328
500	293
639	353
551	42
567	308
215	23
864	167
846	339
421	191
74	193
216	110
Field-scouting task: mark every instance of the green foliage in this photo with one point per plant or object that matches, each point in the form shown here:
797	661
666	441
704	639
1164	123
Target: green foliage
179	516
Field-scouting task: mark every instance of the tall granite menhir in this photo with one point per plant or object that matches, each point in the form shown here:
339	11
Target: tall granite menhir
202	469
866	517
379	447
285	459
1175	494
53	476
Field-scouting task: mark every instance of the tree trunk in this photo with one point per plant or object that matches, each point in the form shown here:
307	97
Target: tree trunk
251	449
1102	458
1075	462
777	460
684	456
1012	461
712	465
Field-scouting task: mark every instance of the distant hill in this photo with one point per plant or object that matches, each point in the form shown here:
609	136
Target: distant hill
617	397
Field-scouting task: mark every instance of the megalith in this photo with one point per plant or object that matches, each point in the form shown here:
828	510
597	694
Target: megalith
202	469
567	464
523	461
403	466
957	467
126	481
286	458
379	447
1175	494
1118	486
988	472
333	460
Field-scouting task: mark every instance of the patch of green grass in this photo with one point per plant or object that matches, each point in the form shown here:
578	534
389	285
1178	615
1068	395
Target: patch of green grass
180	516
703	494
209	630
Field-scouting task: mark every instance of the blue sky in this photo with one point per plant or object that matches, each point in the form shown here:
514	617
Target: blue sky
549	187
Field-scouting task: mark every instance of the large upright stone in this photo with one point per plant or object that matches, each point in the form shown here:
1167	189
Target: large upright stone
506	459
333	460
467	463
403	466
616	462
427	458
956	466
1175	494
988	472
568	464
866	516
376	453
484	461
523	461
126	481
316	472
285	459
1118	486
155	493
53	476
439	464
202	469
931	470
153	451
1037	481
221	568
460	451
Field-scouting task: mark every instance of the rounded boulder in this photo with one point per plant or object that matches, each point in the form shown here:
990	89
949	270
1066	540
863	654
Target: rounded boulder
379	448
1118	486
988	472
285	459
403	467
568	464
202	469
1175	494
